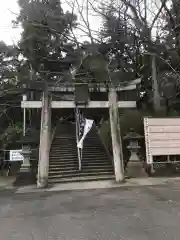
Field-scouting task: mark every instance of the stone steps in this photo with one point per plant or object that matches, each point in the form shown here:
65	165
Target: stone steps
80	179
75	166
84	172
64	159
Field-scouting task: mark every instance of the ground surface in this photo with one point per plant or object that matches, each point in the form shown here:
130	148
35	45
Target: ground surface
134	213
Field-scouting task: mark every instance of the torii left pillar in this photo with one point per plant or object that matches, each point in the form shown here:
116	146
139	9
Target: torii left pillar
45	140
116	136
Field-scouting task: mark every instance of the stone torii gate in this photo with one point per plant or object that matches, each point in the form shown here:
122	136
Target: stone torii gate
45	135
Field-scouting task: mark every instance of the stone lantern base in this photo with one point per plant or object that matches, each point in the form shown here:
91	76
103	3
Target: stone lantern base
24	176
135	170
26	152
25	167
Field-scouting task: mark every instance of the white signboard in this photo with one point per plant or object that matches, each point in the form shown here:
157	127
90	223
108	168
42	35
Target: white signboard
15	155
162	137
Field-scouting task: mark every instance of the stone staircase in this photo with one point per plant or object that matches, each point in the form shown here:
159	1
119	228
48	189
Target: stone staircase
64	159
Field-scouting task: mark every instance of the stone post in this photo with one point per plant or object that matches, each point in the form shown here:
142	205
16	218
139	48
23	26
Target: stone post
116	136
45	139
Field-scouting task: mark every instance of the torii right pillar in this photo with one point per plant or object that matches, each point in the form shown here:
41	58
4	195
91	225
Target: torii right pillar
116	136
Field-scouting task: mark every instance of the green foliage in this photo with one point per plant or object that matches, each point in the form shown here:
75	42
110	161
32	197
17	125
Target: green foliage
8	64
126	124
121	41
130	45
175	20
105	133
144	64
44	40
11	133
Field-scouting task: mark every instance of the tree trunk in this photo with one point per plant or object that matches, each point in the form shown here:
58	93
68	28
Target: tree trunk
45	137
156	95
116	136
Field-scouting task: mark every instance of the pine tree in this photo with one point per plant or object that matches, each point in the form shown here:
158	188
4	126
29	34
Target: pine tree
45	37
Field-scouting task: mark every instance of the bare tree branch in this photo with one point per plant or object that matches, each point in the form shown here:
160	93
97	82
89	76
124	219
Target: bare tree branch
170	15
71	29
158	13
86	21
135	17
145	10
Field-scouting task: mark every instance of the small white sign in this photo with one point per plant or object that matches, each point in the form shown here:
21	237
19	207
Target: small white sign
15	155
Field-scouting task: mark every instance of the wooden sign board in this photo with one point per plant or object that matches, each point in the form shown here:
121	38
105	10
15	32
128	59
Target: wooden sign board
162	137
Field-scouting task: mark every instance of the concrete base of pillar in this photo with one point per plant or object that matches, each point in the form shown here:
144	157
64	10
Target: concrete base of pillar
135	170
42	183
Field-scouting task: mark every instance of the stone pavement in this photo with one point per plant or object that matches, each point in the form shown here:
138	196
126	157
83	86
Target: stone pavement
128	213
6	182
133	182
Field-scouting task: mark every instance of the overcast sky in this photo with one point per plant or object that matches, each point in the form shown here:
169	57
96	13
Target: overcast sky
8	11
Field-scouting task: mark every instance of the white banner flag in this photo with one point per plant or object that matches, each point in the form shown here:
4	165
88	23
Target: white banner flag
87	128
